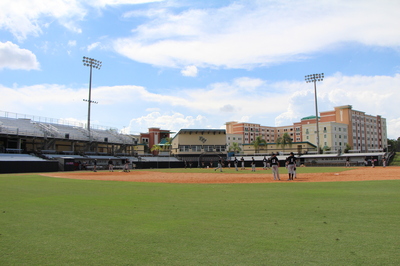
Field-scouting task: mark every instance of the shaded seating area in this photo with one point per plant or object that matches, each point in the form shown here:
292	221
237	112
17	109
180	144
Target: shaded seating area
19	157
25	163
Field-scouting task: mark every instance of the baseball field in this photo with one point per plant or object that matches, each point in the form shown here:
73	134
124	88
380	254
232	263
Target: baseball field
326	216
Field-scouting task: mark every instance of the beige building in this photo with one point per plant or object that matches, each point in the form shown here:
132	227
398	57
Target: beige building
233	138
194	142
332	135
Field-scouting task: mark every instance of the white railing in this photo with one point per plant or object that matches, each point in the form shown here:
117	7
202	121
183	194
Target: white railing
51	120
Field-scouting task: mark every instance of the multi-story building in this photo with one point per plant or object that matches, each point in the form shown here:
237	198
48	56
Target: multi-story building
337	128
365	132
290	130
154	136
251	131
332	135
234	138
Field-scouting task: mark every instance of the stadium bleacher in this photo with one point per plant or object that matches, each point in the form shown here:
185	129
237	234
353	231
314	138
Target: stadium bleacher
19	157
27	127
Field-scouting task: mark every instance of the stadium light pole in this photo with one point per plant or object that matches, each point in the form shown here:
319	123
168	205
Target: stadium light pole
91	63
314	78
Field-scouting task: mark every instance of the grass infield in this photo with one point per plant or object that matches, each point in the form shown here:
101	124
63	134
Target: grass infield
50	221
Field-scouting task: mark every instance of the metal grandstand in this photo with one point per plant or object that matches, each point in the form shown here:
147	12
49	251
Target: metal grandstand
37	126
36	134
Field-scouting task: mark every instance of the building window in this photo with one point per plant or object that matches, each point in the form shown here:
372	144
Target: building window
219	148
183	147
208	148
196	148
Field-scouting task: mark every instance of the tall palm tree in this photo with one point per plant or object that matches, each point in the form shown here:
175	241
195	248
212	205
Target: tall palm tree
284	140
234	147
257	143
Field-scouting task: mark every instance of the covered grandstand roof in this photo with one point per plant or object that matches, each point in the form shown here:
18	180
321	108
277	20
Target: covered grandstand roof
31	128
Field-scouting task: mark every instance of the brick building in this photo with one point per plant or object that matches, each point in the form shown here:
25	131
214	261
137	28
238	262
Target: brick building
337	128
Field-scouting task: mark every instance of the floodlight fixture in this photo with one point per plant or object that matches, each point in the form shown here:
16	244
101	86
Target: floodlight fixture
91	63
314	78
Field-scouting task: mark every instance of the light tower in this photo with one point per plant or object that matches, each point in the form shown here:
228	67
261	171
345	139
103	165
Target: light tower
92	63
314	78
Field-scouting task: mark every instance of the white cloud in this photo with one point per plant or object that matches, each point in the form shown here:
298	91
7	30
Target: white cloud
153	109
72	43
393	128
13	57
248	84
374	95
260	33
189	71
173	122
213	105
93	46
29	17
103	3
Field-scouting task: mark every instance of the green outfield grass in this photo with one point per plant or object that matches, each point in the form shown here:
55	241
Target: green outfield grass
50	221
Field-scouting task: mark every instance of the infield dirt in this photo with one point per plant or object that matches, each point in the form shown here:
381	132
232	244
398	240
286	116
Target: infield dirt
210	176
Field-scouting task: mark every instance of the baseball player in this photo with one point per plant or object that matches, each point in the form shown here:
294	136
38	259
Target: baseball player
219	166
291	164
265	163
275	166
235	162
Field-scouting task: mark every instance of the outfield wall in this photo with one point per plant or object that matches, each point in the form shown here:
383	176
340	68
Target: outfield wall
28	166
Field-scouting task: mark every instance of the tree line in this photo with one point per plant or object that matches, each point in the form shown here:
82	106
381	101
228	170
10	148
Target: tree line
394	145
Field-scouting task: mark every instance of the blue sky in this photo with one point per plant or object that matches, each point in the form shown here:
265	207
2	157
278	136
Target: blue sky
198	64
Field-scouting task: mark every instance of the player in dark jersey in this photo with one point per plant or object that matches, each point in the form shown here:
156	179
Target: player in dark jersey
235	162
265	163
275	166
219	166
291	164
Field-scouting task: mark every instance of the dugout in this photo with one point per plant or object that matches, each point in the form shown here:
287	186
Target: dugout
66	163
